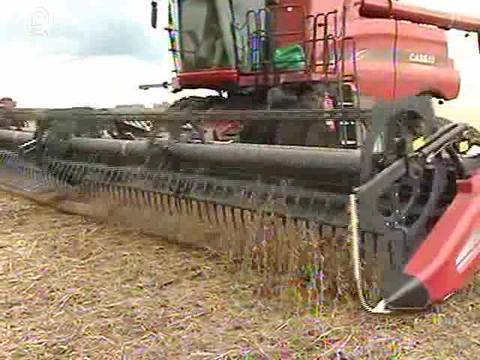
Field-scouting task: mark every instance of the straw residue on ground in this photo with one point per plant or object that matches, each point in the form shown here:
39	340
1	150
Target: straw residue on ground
71	288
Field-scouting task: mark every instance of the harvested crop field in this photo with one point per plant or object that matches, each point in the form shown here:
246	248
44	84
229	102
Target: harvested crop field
75	289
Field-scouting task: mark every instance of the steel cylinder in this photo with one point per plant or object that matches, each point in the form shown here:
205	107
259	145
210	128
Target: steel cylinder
110	146
274	159
293	158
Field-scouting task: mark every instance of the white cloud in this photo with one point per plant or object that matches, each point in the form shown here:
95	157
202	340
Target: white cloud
53	81
71	53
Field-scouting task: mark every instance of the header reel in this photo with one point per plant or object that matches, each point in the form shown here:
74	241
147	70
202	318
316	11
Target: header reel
297	204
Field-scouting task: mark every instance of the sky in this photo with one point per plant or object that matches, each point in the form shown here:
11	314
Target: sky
62	53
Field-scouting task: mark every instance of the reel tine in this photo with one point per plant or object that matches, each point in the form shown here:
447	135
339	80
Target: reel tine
137	197
247	223
220	214
193	207
277	256
237	218
199	210
105	191
183	207
243	217
162	202
99	195
142	199
129	196
169	205
174	205
224	211
206	211
210	212
73	175
146	199
194	210
156	201
124	195
57	178
213	210
106	195
188	208
225	239
229	218
102	189
178	207
98	190
92	189
165	200
115	194
111	192
149	199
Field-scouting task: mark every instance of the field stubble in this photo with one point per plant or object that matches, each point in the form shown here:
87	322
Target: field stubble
75	288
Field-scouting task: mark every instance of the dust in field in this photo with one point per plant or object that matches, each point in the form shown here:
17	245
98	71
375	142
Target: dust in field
72	288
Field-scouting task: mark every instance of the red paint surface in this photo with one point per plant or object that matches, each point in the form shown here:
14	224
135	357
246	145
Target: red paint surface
211	78
434	264
289	22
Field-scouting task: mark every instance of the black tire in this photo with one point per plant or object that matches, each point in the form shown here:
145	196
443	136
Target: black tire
188	104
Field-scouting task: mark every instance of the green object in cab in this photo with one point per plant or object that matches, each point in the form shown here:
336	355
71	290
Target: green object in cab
291	57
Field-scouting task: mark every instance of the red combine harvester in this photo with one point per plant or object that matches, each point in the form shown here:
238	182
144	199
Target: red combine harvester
334	54
327	109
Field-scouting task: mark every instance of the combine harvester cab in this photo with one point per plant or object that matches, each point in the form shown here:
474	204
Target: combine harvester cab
337	198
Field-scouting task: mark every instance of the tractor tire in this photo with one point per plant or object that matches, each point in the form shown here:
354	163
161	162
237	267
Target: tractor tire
187	104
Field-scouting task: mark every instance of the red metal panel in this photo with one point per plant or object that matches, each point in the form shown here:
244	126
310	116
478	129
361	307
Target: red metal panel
325	6
214	78
386	72
374	40
289	22
423	65
450	256
399	11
